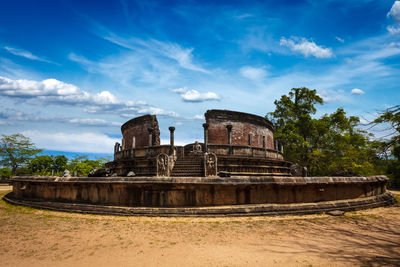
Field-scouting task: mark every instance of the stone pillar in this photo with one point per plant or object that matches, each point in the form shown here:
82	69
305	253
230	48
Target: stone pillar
150	137
281	149
264	142
229	127
171	139
205	126
123	143
133	142
276	145
249	136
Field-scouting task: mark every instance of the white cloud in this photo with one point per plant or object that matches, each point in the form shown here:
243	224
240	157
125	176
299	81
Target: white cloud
332	95
196	96
252	73
183	56
395	11
157	111
199	117
25	54
179	90
93	122
52	91
357	91
73	142
393	30
306	48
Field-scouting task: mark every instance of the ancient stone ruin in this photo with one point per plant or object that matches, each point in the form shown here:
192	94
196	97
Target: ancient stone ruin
235	144
238	170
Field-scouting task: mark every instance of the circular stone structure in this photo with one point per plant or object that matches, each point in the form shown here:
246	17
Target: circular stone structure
244	196
238	170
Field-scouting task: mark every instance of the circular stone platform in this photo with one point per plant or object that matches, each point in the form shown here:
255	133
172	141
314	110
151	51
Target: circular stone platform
201	196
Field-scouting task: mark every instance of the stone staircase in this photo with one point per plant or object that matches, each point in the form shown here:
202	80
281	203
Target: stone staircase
188	166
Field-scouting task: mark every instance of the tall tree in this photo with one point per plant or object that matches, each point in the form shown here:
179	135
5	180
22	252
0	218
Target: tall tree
330	145
16	150
294	124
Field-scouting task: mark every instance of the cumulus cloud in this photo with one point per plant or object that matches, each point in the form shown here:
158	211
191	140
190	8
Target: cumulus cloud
306	47
52	91
196	96
188	95
253	73
357	91
72	142
395	11
25	54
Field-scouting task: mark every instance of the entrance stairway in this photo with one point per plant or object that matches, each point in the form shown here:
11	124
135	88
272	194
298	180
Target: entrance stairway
188	166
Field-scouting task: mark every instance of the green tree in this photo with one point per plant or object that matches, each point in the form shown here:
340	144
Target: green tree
339	148
82	166
16	150
41	164
390	116
5	173
294	125
59	163
330	145
391	146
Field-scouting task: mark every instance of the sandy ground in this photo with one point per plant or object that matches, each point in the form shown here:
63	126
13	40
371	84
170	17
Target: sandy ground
30	237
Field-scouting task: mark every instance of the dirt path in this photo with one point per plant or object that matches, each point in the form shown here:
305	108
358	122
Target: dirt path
32	237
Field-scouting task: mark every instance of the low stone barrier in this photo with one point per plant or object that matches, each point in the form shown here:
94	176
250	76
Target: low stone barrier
201	196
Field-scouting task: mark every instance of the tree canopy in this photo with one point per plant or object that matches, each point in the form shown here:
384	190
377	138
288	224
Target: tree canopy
330	145
16	150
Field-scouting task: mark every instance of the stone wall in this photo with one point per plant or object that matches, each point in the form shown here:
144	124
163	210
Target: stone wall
243	125
197	192
137	131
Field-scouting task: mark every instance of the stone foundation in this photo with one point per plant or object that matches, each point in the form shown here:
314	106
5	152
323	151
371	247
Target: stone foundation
201	196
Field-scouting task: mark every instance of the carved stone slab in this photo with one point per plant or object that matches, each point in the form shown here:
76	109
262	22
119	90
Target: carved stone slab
162	165
210	164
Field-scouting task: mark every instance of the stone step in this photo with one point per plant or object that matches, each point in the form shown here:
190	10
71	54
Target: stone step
187	175
188	166
187	171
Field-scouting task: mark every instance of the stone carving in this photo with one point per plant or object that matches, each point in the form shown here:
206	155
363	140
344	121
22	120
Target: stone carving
297	170
131	174
162	165
93	172
197	148
304	173
210	164
66	173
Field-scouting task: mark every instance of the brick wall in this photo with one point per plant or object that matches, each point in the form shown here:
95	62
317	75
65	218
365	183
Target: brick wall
243	125
138	128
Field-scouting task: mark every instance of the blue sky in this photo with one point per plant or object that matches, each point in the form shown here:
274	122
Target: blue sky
71	72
